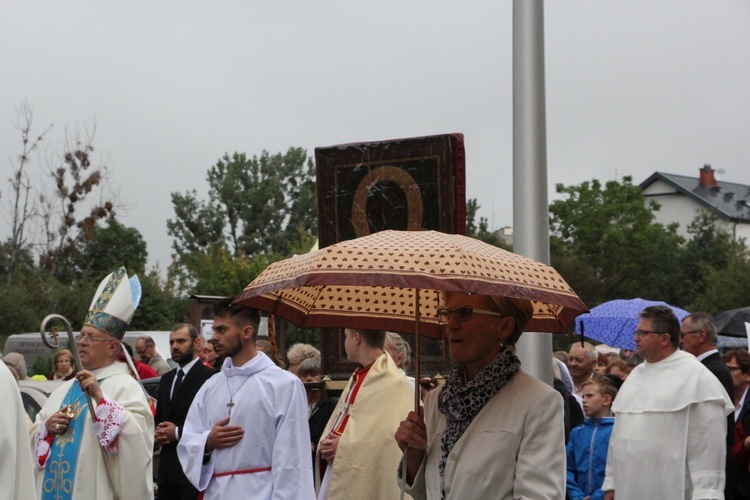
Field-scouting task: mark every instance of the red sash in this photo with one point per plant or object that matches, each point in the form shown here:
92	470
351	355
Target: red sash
234	473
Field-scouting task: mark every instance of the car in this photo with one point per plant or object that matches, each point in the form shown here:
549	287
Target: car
34	394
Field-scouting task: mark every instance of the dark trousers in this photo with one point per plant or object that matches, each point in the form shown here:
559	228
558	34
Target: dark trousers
168	491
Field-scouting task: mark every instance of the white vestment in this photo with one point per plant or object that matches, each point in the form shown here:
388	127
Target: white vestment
17	470
272	460
669	438
131	463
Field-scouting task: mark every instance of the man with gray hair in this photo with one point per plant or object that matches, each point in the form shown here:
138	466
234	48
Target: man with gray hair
146	348
699	338
581	363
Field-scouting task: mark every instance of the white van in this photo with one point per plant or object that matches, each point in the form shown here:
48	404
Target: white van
31	345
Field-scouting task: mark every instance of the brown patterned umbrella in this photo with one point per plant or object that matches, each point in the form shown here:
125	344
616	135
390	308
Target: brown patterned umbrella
391	280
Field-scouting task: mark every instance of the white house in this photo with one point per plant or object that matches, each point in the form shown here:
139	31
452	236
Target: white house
681	197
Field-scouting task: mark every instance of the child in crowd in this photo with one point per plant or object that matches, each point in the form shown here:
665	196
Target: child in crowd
587	448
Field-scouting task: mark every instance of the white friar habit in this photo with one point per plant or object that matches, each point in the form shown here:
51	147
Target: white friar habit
272	460
367	453
126	426
668	441
17	469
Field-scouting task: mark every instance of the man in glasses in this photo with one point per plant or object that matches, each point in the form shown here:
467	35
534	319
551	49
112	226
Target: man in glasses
671	417
67	436
700	339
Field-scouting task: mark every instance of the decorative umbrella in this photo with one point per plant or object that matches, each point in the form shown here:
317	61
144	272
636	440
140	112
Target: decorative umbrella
615	322
733	322
391	280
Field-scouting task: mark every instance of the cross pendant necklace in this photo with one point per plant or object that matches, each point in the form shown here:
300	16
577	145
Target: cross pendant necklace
231	404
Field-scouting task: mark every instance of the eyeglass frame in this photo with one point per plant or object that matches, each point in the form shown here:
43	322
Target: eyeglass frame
690	332
471	311
642	333
90	338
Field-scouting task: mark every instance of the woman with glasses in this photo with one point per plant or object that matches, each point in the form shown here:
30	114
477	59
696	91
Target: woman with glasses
492	431
63	366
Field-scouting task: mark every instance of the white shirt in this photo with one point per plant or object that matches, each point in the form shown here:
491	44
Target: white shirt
272	460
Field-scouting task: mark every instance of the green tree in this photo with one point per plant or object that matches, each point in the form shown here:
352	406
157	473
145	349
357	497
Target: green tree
481	231
108	247
258	210
160	308
606	244
710	252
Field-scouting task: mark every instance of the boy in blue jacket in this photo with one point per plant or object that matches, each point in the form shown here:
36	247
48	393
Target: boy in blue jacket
587	448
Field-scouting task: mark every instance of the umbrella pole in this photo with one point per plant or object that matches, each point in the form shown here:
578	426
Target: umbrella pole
417	371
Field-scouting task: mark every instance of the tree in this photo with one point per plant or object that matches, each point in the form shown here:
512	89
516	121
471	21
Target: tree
606	244
22	204
107	248
75	182
160	308
45	210
727	287
710	250
481	231
258	210
717	267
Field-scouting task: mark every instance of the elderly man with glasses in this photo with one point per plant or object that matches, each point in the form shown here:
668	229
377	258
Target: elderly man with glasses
671	418
700	339
67	436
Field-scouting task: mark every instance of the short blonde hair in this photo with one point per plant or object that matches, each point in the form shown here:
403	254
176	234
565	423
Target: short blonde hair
401	346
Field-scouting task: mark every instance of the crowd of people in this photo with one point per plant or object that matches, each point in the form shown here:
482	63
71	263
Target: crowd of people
670	420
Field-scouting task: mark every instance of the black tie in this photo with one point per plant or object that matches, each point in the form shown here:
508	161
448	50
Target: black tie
177	383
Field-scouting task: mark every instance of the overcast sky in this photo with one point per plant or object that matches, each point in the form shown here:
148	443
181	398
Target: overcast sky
632	87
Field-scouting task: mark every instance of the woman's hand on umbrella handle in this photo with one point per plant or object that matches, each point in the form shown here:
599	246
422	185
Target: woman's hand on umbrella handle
412	432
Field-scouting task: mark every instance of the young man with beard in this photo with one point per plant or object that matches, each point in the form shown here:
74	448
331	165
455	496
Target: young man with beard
246	434
176	392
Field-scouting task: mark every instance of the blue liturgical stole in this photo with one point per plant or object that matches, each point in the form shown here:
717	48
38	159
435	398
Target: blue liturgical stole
60	469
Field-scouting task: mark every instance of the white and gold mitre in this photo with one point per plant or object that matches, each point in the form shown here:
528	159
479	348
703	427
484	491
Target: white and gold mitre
114	303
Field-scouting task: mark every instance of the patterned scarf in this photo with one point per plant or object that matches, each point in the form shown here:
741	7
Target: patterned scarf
460	401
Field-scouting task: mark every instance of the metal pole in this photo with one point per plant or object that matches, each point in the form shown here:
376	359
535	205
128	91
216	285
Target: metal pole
530	204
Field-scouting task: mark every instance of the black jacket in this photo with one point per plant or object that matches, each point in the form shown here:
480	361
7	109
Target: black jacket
175	411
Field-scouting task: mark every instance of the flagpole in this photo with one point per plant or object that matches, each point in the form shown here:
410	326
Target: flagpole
530	204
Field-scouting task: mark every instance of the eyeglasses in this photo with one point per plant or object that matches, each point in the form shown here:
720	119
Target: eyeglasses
691	331
90	338
462	314
643	333
733	368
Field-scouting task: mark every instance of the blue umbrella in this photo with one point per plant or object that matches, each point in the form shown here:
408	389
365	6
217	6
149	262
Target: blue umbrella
614	322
